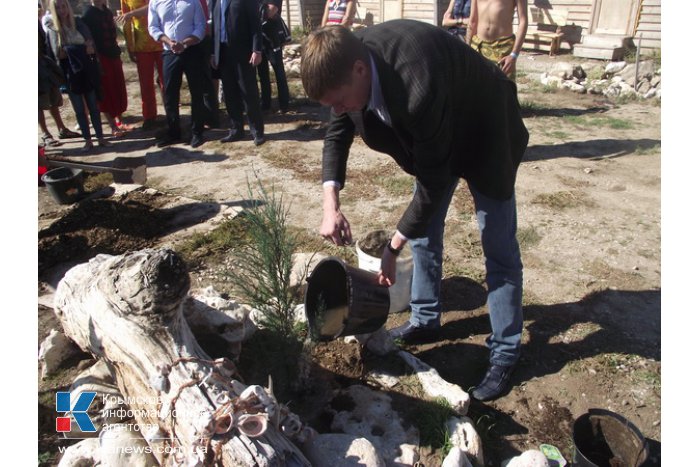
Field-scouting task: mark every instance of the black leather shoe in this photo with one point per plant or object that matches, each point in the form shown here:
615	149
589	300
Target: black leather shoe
167	140
494	383
259	140
197	140
232	136
410	333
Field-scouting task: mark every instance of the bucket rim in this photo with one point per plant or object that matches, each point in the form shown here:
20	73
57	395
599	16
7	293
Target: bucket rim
47	176
599	412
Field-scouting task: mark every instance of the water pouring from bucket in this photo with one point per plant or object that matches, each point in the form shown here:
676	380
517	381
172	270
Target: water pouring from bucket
342	300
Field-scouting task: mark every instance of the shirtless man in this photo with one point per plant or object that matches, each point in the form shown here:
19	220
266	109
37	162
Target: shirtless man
491	31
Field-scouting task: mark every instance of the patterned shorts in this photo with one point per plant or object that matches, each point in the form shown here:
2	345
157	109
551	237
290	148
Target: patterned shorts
494	50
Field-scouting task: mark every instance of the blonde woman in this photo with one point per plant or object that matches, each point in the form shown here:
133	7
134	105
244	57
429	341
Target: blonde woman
73	48
340	12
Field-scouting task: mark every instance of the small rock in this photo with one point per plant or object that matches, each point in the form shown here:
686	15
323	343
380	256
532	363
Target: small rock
615	67
587	170
82	454
531	458
55	350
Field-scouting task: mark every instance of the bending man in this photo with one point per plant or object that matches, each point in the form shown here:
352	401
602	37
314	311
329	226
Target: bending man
461	122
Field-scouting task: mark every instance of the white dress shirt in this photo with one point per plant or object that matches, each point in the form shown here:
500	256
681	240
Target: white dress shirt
176	19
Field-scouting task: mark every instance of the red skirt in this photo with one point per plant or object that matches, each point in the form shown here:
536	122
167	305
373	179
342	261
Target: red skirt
113	86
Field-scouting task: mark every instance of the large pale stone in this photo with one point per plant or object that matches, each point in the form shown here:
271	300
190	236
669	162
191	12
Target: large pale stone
435	386
463	435
456	458
614	67
373	417
342	450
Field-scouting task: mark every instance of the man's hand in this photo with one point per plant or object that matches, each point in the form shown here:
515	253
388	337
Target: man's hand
177	47
336	228
507	64
255	58
212	62
387	272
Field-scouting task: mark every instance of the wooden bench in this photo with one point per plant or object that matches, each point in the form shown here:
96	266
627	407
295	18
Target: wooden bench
544	30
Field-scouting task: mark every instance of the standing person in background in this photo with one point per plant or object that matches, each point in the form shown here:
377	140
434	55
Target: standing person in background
272	31
491	23
180	27
211	84
237	50
340	12
146	53
456	18
112	101
72	46
50	79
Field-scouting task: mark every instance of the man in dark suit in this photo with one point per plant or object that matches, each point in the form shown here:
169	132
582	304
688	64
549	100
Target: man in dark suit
237	50
442	112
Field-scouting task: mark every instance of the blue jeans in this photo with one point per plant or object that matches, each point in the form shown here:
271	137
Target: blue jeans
504	273
76	101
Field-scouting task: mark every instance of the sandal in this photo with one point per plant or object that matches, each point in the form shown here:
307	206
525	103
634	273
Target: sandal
48	140
117	133
65	133
87	148
125	126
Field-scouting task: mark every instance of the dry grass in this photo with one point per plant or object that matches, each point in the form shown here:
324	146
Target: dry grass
564	200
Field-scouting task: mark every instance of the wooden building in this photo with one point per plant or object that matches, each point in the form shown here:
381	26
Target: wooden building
603	19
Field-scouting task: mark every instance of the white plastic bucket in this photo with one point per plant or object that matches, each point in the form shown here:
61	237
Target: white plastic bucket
400	292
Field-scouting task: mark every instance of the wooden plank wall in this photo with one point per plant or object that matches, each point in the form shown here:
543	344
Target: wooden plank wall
649	23
649	26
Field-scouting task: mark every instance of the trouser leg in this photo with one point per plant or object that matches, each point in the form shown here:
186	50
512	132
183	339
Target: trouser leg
427	267
248	85
196	81
78	104
265	86
277	62
504	276
172	77
93	107
145	66
229	83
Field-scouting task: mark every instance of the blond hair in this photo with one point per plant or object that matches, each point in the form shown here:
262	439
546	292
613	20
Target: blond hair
58	22
327	57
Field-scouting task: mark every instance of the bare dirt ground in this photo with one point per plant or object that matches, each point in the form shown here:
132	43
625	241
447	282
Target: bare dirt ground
588	194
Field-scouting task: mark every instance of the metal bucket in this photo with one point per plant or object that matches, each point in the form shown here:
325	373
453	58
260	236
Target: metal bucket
603	438
342	300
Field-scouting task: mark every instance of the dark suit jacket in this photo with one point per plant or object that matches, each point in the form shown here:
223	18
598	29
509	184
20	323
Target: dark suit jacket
453	114
242	27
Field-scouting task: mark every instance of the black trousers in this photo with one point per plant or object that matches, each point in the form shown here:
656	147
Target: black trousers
240	90
275	59
190	63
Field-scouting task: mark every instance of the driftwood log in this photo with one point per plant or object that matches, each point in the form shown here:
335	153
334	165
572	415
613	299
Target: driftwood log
127	310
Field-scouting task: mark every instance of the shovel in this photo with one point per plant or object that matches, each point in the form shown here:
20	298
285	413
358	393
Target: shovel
124	169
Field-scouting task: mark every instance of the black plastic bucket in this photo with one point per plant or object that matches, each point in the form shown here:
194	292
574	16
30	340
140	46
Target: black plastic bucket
342	300
65	185
603	438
